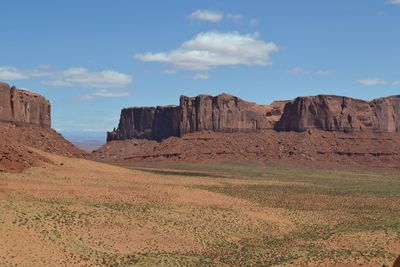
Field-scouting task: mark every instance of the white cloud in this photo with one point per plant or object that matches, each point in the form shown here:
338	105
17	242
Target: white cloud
214	16
108	83
298	70
72	77
108	93
81	77
200	76
11	73
104	93
207	15
212	49
393	2
371	81
377	81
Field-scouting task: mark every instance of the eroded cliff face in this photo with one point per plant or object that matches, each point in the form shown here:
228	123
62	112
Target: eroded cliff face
154	123
387	113
166	122
134	123
226	113
223	113
23	108
343	114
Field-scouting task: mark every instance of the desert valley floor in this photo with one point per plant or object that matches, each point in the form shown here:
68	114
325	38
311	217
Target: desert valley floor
76	212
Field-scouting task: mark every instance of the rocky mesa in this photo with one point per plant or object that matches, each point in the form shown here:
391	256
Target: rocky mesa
343	114
226	113
25	130
222	113
23	108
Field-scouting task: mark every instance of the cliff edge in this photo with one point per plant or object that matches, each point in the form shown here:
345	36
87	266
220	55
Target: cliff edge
25	128
23	108
222	113
226	113
343	114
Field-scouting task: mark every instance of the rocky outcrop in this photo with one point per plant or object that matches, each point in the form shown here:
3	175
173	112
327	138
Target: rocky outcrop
387	114
166	122
25	127
226	113
343	114
134	123
223	113
153	123
358	148
23	108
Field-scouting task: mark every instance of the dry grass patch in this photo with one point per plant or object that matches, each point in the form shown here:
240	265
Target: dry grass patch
84	213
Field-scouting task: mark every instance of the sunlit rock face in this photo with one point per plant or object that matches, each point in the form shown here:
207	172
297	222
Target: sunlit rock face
222	113
23	108
226	113
344	114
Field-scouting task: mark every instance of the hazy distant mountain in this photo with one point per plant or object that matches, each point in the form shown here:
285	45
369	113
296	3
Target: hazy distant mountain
87	141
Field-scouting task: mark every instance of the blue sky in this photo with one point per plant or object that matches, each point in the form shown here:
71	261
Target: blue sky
91	58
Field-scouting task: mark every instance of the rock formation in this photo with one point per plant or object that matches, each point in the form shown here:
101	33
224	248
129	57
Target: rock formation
134	123
223	113
226	113
25	126
357	148
147	123
343	114
166	122
23	108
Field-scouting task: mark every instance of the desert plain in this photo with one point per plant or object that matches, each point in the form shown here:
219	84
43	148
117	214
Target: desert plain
77	212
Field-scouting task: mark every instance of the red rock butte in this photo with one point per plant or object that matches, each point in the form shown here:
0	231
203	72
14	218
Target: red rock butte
226	113
23	108
25	125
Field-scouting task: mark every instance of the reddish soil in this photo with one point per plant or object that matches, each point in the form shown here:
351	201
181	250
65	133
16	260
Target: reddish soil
18	146
361	149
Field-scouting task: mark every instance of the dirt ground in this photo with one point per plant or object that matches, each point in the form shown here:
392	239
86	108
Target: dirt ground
76	212
314	146
16	143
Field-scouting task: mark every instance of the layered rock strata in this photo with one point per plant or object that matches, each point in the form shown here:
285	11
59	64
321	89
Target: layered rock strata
343	114
223	113
23	108
226	113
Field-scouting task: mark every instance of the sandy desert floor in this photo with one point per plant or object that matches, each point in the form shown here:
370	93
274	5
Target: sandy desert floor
75	212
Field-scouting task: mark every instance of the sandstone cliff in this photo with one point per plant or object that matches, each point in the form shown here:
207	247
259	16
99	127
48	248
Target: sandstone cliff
343	114
223	113
23	108
226	113
154	123
25	127
166	122
134	123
